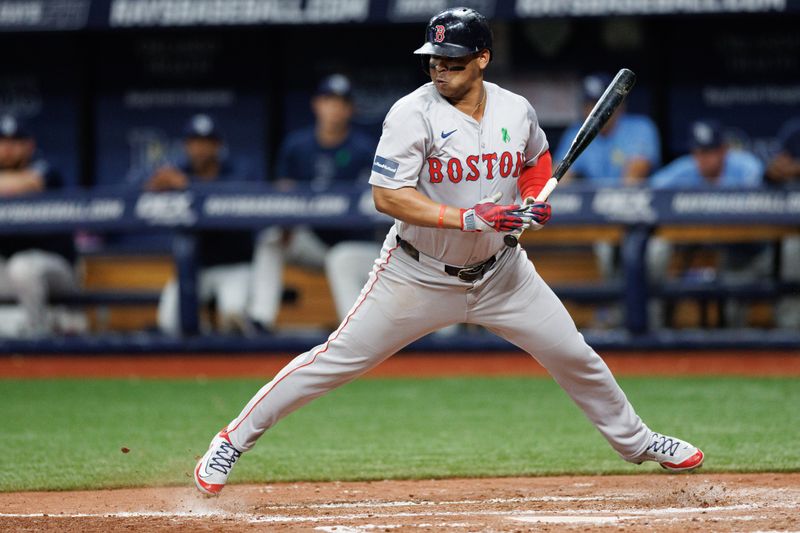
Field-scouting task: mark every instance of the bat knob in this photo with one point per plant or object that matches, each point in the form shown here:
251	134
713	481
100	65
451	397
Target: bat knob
510	240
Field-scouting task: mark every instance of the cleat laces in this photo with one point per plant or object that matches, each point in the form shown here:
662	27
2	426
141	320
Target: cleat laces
223	459
664	444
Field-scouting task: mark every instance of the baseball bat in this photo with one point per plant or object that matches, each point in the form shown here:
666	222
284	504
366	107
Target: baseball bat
610	100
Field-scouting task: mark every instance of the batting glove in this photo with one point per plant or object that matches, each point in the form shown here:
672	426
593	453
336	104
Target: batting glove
538	213
487	215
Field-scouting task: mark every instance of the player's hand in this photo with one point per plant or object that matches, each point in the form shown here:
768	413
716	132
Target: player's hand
538	213
487	215
167	178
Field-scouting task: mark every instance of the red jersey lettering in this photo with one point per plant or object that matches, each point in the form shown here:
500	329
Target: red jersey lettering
474	171
490	159
506	164
454	170
435	169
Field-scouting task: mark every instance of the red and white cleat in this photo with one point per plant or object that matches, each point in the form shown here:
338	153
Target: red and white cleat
213	469
673	454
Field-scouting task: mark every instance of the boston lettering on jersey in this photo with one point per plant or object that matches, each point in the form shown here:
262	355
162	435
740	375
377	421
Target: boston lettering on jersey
506	165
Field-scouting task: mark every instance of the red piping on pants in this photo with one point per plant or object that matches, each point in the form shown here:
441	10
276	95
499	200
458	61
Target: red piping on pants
327	343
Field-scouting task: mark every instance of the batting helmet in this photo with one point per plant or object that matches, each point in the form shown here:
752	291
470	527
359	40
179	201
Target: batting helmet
456	32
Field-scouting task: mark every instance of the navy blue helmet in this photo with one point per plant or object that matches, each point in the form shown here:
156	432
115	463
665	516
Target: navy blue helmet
456	32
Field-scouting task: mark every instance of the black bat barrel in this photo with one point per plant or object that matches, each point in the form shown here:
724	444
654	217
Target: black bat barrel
608	102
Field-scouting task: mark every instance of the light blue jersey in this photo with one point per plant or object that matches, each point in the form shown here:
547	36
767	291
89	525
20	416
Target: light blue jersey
740	169
604	160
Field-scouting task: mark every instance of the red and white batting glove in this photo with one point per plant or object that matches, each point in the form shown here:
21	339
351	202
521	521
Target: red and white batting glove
487	215
538	213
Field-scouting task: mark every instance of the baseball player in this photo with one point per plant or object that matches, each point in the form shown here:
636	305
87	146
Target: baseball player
450	152
34	267
232	263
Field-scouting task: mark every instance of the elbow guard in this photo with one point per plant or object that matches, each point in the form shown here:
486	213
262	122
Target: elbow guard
533	178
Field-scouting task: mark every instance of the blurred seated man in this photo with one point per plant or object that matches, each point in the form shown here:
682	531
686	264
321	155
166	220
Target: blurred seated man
327	153
202	161
33	267
226	257
711	163
784	170
627	150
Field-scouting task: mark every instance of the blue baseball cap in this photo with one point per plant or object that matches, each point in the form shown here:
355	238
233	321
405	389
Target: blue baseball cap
335	85
201	126
594	85
705	134
13	128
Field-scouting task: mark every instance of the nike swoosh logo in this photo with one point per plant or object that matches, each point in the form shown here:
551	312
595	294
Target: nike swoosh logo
448	134
201	472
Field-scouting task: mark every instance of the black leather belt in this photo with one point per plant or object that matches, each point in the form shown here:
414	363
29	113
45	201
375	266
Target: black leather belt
469	274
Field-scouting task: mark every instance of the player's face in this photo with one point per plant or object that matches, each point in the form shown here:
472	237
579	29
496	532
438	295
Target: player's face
332	110
455	76
15	153
710	161
6	153
201	151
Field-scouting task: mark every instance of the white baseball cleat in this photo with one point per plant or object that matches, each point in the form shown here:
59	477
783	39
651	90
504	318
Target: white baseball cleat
213	469
673	454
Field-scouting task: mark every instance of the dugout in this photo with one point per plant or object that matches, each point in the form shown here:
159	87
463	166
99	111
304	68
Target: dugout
106	84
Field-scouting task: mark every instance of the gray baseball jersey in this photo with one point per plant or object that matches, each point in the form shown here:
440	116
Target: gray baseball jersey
453	159
456	160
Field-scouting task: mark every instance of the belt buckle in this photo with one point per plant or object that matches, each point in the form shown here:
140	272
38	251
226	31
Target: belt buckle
470	274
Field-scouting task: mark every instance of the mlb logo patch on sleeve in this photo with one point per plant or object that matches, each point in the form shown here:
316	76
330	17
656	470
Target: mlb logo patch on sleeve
387	167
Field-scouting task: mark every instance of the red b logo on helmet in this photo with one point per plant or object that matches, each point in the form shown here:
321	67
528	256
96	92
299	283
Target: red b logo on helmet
439	37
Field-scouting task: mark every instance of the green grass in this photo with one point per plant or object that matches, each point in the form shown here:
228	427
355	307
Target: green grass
68	434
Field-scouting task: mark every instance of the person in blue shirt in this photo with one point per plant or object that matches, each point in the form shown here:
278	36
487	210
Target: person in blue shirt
625	152
711	163
231	267
202	161
784	169
33	267
330	152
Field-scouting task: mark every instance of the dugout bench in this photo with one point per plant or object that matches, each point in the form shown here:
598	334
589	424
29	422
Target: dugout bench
627	217
563	257
119	301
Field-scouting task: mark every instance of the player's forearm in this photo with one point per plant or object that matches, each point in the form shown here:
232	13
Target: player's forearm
636	171
411	206
783	168
20	182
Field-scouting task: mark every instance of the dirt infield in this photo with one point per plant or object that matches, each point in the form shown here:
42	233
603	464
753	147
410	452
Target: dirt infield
408	365
651	502
698	502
